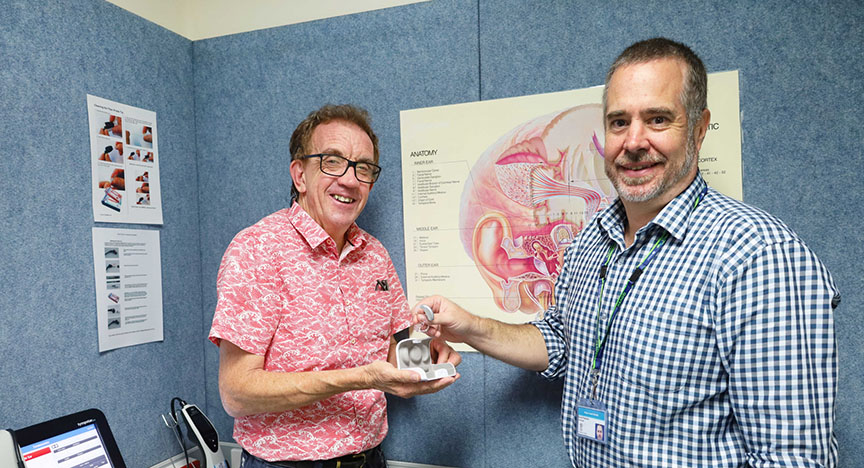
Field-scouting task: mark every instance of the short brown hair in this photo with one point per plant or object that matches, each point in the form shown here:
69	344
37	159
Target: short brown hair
299	145
694	95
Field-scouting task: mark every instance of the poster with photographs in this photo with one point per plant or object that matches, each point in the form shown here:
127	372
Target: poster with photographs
128	272
124	159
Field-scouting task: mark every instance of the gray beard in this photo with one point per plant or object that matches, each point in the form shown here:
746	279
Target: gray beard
668	181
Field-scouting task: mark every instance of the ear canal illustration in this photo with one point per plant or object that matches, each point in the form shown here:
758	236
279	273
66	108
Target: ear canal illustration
527	197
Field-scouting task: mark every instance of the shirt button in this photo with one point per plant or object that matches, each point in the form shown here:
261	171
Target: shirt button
353	340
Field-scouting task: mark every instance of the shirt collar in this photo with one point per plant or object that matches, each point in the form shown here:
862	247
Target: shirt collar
674	217
315	235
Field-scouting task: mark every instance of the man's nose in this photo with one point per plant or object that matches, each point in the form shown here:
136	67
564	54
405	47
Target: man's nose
349	178
636	138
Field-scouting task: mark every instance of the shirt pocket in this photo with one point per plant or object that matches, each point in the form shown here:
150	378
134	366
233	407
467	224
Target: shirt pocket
375	308
661	349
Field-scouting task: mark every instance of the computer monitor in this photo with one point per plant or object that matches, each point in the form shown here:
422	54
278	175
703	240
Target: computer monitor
80	440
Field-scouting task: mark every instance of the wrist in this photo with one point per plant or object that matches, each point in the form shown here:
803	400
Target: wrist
476	327
365	378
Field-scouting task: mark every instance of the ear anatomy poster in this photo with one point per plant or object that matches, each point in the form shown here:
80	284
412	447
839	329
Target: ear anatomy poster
495	191
124	156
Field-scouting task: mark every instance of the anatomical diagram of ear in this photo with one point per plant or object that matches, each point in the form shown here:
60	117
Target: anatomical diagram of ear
528	196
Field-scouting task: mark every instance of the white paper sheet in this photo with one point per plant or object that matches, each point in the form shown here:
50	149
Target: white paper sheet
124	159
128	272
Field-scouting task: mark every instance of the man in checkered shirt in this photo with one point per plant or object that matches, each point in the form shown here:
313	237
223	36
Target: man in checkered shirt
720	351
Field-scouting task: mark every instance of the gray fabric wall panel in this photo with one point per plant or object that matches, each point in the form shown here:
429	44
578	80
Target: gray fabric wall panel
523	418
53	54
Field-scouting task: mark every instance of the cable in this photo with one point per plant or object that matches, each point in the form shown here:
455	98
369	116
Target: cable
171	428
177	427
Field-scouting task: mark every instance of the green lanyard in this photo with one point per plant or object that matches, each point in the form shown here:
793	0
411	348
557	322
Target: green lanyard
600	342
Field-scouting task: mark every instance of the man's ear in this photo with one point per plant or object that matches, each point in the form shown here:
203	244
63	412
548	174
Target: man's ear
702	129
297	175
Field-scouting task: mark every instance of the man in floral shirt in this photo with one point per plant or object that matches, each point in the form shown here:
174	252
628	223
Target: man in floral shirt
308	304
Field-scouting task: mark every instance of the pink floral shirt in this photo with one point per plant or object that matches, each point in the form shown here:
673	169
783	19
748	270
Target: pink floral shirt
285	293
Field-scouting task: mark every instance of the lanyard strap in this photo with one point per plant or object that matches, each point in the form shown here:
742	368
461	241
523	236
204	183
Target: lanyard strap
600	342
637	272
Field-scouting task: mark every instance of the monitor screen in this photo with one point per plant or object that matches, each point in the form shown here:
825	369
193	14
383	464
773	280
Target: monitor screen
80	440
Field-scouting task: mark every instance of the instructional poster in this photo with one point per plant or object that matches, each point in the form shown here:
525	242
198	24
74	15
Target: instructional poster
124	157
495	191
128	275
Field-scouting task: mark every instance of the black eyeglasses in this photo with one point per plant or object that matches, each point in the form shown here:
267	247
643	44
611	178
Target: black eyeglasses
336	166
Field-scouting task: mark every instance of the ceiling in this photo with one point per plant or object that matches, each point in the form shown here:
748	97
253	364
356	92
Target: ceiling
203	19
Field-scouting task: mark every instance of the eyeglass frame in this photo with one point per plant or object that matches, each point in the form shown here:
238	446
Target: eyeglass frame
350	164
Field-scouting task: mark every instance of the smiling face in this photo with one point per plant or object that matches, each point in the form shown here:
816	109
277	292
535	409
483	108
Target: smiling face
649	156
333	202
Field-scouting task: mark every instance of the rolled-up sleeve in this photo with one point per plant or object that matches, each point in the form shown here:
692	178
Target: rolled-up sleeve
552	327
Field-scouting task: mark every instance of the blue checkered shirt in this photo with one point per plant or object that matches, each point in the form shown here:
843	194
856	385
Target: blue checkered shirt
723	353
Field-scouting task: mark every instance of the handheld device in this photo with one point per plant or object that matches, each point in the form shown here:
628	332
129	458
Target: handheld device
9	454
430	316
81	439
202	433
112	199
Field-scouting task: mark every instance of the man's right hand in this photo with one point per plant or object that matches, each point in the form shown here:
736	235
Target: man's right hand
521	345
451	322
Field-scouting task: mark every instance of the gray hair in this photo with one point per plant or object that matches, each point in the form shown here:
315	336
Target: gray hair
694	95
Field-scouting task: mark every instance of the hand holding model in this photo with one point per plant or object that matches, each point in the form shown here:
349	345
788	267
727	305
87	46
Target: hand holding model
521	345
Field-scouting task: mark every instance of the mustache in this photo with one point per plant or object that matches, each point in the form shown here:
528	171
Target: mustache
638	157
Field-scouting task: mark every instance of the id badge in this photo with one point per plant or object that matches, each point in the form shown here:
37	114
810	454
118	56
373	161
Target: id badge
591	419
